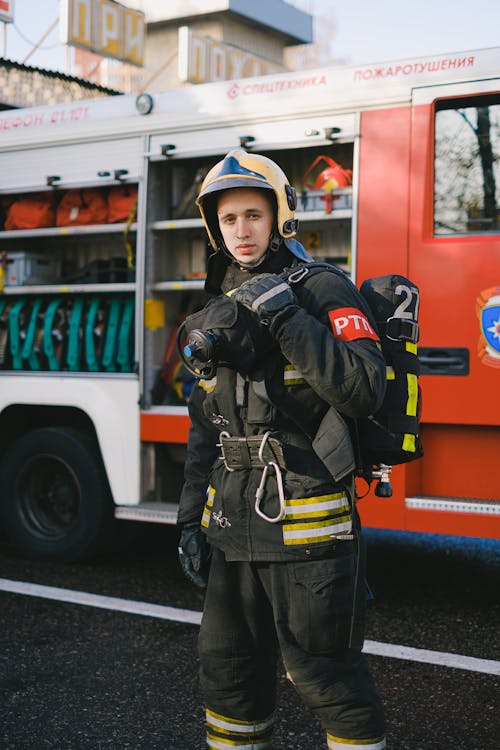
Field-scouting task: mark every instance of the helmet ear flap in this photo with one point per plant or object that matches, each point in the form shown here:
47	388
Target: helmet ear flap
208	210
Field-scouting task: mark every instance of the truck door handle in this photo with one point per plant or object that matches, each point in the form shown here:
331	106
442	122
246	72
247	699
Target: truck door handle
436	360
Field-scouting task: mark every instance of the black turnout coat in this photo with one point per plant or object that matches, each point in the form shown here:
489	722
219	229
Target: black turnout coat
303	381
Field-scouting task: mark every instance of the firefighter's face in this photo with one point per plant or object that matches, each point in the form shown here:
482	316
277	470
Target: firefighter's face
246	220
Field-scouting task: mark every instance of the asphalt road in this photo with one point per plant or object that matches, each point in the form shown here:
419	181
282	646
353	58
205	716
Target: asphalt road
74	677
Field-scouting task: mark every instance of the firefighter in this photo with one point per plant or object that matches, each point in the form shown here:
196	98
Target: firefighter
267	511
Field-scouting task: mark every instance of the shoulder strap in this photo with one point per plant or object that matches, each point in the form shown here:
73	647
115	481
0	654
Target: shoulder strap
300	272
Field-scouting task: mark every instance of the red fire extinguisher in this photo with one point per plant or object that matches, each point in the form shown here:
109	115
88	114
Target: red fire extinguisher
332	177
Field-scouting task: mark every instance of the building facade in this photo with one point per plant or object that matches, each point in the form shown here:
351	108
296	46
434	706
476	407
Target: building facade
196	41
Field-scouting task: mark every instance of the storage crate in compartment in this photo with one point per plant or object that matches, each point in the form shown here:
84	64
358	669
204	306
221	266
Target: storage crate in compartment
31	268
317	200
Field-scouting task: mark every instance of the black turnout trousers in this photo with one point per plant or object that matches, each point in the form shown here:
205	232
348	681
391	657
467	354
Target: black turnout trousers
255	611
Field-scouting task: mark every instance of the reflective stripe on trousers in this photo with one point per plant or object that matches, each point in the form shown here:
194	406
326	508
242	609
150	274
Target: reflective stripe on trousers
342	743
224	733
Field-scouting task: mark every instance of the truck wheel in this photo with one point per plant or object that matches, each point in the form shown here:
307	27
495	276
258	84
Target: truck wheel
54	498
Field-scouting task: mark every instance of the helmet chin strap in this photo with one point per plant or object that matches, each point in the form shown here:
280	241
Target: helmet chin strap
273	247
274	241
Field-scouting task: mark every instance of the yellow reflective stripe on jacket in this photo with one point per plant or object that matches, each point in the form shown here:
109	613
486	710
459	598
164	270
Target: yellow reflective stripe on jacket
340	743
208	385
207	511
314	507
291	376
301	533
322	518
333	510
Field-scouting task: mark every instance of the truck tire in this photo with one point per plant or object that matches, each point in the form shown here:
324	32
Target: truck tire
54	497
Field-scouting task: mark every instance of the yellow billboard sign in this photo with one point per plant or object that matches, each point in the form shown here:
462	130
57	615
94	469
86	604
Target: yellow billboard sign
104	27
202	59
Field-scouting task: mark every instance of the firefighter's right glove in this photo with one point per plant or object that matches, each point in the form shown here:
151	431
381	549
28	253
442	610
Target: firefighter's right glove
267	296
194	555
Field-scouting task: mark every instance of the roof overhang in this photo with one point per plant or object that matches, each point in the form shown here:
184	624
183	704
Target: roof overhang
294	25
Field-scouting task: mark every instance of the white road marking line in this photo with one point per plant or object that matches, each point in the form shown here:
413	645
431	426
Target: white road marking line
441	658
102	602
391	650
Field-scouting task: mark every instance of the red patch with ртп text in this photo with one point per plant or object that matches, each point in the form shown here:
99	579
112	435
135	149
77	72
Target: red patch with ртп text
349	323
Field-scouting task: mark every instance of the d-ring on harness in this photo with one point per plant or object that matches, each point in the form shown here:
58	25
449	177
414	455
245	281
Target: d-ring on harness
259	493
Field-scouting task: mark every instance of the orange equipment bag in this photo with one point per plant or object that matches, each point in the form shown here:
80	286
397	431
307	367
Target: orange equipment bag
122	200
82	206
30	212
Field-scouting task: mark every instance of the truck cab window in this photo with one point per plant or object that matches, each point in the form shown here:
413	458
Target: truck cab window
467	166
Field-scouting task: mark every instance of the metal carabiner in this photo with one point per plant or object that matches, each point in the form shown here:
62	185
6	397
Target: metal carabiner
259	494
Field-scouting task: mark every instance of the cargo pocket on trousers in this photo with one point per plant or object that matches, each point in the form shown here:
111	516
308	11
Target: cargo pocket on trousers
321	603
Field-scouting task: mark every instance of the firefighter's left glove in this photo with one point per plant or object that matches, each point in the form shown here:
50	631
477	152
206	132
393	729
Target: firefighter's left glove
194	555
268	296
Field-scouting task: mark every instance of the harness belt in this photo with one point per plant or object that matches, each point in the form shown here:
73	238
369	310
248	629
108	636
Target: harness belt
267	453
258	451
245	452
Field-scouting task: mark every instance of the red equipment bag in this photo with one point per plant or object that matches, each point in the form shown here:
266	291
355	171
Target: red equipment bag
122	203
332	177
84	206
329	179
30	212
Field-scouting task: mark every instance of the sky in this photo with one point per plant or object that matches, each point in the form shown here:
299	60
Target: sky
364	31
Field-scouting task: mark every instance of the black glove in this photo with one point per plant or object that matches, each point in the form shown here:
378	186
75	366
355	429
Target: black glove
194	555
266	295
240	339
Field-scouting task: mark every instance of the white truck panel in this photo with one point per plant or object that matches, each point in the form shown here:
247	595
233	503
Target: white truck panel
276	133
73	163
112	406
211	105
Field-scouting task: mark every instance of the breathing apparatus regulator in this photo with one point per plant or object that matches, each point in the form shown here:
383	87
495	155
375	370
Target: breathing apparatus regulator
199	352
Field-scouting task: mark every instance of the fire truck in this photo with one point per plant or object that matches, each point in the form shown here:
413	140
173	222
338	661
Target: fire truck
103	254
